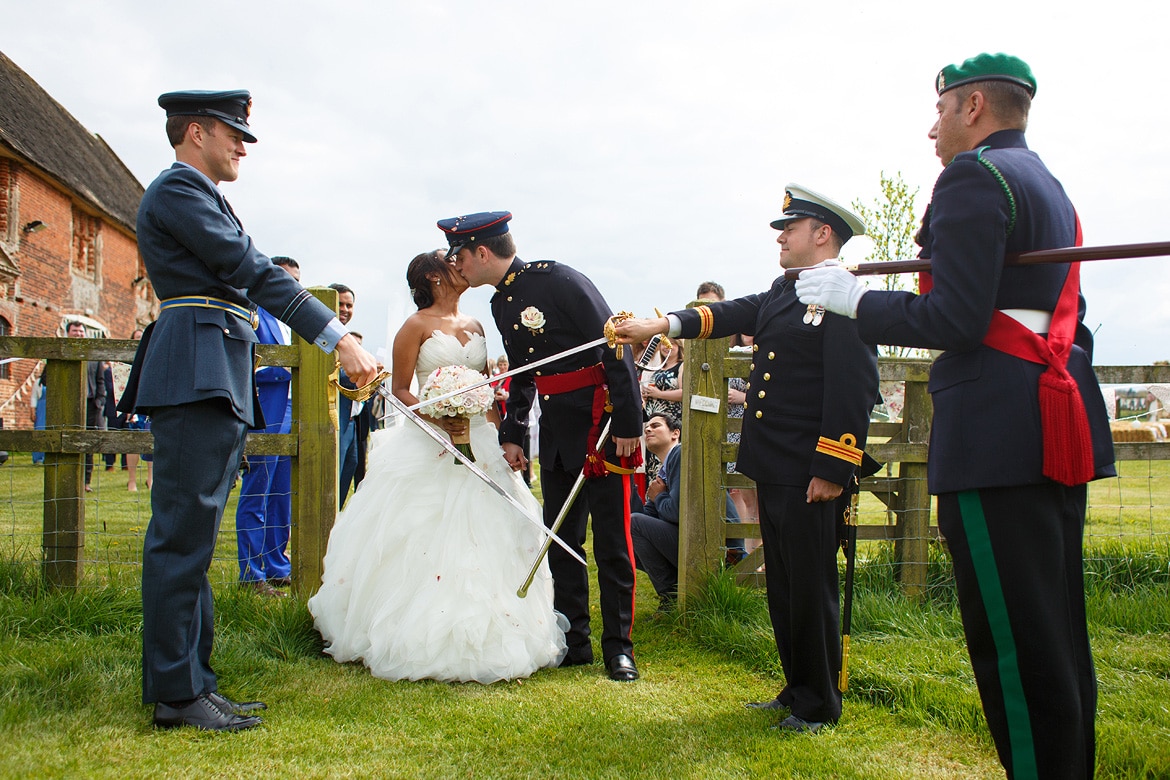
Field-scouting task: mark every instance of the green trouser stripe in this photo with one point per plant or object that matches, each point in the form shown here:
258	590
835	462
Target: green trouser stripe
1012	687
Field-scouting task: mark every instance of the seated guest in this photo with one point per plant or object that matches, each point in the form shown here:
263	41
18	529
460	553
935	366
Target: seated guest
655	529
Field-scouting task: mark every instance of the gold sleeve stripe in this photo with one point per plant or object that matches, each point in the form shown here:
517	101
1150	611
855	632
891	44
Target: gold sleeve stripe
706	321
842	449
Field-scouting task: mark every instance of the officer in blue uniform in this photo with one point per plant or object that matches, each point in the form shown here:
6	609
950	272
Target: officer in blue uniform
193	374
264	509
1011	495
541	309
812	385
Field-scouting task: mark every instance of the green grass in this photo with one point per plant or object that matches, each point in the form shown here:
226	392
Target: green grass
70	681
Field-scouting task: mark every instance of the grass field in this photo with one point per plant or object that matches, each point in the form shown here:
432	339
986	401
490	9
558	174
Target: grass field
70	677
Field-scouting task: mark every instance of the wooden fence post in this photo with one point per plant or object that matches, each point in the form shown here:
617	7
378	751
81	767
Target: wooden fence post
912	548
314	469
702	538
63	538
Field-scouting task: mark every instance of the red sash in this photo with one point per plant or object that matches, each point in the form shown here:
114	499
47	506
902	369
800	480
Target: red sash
1067	440
591	376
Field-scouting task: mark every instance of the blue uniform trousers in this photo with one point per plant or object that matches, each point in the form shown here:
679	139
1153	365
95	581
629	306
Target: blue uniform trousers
264	513
197	450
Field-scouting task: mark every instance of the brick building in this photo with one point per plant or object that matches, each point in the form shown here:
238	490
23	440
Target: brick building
68	248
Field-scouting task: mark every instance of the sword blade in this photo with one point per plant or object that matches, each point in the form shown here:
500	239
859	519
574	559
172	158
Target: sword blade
506	374
442	440
1071	254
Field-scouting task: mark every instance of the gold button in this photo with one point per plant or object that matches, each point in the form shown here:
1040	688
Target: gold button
509	298
767	376
771	356
759	415
227	332
761	394
755	347
538	373
515	327
546	398
752	367
748	386
531	350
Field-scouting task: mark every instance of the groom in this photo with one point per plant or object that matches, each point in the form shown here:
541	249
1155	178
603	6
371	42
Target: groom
540	309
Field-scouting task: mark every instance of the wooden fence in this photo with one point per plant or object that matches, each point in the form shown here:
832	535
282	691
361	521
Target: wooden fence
312	445
704	531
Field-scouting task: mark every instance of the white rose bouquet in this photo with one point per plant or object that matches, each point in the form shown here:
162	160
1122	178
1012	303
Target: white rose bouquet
448	379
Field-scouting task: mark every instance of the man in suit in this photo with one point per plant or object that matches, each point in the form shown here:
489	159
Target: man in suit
1019	425
541	309
193	374
812	385
264	511
347	438
655	529
95	397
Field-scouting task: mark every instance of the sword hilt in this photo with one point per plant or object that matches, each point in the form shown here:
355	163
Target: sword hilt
364	392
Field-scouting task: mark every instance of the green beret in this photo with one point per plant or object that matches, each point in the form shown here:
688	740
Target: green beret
987	67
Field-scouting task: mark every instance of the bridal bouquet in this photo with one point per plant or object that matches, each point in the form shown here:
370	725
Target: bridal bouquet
448	379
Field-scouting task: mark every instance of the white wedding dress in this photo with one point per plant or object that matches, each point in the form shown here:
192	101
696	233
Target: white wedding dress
423	564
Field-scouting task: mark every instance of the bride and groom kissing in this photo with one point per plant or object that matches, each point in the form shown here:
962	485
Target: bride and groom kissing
423	564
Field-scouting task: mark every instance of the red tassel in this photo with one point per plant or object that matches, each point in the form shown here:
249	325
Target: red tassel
1068	444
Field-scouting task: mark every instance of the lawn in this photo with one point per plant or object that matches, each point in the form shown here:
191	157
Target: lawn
70	706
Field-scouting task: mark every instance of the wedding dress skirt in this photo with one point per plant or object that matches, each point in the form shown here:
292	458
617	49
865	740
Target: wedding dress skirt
423	564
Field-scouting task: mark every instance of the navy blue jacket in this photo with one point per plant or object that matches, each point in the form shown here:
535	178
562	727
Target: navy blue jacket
193	244
810	386
666	505
986	429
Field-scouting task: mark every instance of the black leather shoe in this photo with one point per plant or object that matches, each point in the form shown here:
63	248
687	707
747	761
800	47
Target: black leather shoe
202	713
798	725
621	668
774	704
238	707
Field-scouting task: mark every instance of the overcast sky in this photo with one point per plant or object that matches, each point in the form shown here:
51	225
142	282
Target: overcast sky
646	143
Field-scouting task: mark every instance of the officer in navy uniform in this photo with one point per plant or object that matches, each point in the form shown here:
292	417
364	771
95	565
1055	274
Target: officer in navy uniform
1009	466
812	385
541	309
193	374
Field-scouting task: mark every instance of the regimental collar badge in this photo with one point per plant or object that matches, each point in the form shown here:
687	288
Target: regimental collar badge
814	314
510	278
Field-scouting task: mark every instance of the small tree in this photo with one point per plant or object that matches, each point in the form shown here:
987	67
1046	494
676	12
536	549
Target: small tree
892	221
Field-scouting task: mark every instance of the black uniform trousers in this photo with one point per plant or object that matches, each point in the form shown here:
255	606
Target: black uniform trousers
197	450
1018	566
800	571
603	498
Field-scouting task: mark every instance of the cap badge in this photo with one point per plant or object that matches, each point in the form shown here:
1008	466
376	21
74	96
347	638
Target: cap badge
787	200
941	82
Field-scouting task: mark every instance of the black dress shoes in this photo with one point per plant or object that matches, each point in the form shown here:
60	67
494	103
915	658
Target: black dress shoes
237	707
774	704
202	713
621	668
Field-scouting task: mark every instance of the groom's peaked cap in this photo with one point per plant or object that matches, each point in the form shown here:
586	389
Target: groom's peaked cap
473	227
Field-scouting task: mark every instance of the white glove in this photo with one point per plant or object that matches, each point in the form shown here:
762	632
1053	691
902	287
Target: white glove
832	287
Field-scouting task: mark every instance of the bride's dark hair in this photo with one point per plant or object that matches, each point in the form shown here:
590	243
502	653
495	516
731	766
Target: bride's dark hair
421	289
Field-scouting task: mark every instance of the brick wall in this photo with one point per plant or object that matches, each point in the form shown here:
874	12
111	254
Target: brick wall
50	287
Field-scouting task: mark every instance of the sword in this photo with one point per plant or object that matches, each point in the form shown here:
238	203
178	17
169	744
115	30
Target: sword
506	374
443	441
849	546
1071	254
556	526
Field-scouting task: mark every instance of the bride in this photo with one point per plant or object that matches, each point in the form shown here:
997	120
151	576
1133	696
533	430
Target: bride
423	564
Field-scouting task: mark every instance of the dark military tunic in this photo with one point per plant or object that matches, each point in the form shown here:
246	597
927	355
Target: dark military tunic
565	310
1016	537
810	392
